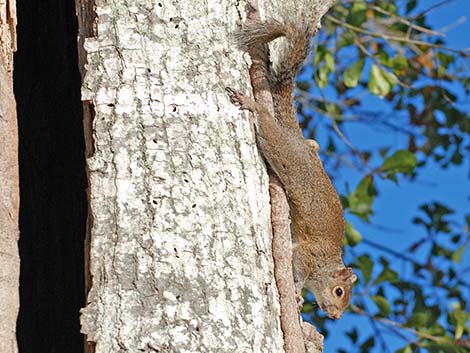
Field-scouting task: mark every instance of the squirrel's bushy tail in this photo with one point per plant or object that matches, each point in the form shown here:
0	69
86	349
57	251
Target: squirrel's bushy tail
291	57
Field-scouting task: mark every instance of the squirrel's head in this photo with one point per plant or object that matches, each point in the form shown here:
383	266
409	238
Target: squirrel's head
333	292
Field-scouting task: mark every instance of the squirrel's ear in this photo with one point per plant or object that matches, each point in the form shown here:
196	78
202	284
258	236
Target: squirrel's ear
345	274
353	278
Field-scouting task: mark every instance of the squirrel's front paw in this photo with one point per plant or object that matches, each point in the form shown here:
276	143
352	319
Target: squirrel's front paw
300	301
240	100
236	97
313	144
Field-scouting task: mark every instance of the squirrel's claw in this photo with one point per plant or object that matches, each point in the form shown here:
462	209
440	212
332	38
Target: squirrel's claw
237	98
300	301
233	95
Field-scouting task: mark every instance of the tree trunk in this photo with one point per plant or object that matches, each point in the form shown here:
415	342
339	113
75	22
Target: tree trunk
9	188
181	256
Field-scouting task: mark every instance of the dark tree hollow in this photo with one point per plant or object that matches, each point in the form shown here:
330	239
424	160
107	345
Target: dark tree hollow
53	205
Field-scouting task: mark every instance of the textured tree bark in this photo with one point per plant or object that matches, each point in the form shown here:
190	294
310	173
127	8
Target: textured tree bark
282	253
181	245
181	255
9	188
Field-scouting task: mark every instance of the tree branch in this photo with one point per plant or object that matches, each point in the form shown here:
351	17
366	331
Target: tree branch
408	23
465	53
388	322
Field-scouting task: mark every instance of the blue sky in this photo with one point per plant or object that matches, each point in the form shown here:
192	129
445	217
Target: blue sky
397	205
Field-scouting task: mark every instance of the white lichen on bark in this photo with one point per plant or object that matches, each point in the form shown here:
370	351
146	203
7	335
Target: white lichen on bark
181	249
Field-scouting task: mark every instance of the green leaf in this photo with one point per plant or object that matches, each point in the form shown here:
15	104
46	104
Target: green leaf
435	330
353	73
410	6
308	308
331	147
445	59
389	7
418	319
368	344
357	16
353	237
438	250
406	349
365	265
381	82
347	38
329	61
334	111
398	64
382	304
303	85
383	57
458	318
319	55
353	335
457	255
423	316
322	77
401	161
457	157
444	347
361	199
387	275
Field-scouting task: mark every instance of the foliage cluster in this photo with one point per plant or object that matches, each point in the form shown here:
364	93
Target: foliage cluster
381	63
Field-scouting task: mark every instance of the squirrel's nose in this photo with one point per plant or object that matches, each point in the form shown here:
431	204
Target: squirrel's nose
335	316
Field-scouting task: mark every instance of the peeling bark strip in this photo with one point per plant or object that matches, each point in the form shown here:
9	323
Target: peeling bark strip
9	208
9	184
282	253
181	246
7	33
87	28
297	338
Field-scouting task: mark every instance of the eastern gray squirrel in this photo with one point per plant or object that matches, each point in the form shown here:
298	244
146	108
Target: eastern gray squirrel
316	213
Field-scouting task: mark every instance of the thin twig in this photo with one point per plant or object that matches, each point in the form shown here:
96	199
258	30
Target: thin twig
396	324
464	53
403	337
379	334
349	144
432	8
457	23
408	23
377	62
390	251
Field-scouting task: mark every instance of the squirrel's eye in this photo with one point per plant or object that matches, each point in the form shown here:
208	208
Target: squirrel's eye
338	292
